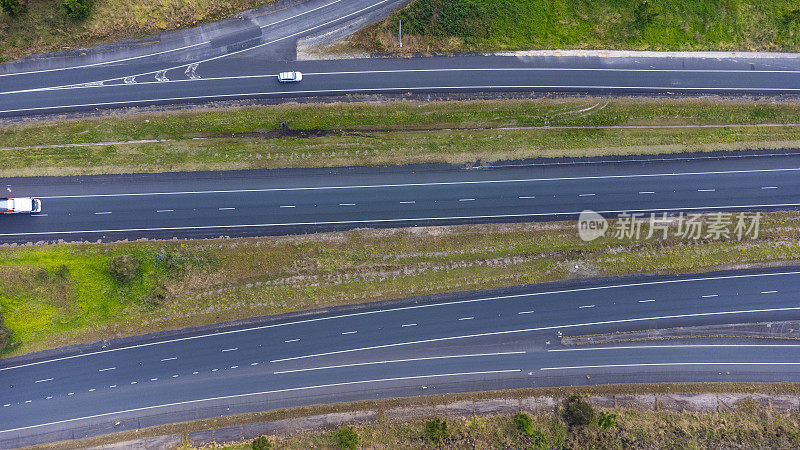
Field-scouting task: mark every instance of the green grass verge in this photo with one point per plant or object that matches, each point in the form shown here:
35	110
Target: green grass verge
491	25
394	133
62	294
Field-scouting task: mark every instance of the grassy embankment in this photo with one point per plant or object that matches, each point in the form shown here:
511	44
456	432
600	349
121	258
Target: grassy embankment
395	133
45	26
492	25
57	295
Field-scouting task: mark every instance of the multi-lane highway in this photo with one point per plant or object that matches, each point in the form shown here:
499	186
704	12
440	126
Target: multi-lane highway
306	200
497	340
239	59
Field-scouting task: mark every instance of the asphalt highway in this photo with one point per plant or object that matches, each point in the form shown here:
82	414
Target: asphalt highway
470	342
289	201
240	59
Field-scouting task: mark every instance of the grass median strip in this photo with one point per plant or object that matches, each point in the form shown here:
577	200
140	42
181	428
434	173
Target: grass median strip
400	132
68	293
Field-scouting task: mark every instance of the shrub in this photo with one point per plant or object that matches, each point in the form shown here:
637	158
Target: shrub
158	296
576	411
12	7
347	438
77	9
524	423
607	420
123	268
261	443
436	431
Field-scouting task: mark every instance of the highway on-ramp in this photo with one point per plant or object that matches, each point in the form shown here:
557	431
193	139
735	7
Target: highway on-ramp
269	202
469	342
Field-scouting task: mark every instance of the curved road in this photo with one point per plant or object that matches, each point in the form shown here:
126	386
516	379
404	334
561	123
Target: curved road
509	340
246	203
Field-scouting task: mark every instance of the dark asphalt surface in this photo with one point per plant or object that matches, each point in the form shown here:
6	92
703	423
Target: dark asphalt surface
502	341
249	203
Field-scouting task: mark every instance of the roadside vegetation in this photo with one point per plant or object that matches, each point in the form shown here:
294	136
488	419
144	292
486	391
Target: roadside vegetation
30	27
55	295
492	25
403	132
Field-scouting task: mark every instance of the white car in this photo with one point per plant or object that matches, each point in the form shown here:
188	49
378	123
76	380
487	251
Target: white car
290	77
20	205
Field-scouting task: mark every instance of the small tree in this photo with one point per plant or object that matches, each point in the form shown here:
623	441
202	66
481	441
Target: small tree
576	411
77	9
12	7
347	438
524	423
123	268
262	443
436	431
607	420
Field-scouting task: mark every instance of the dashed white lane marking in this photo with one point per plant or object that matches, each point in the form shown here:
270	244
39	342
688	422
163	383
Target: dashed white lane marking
165	210
254	364
409	202
466	199
113	386
28	401
38	215
408	325
527	196
586	195
153	379
44	380
230	349
7	405
706	190
234	367
291	340
646	301
398	361
101	213
768	292
586	306
92	390
226	209
107	368
466	318
169	359
710	296
71	393
349	332
769	187
646	192
525	312
347	204
48	398
134	382
214	370
175	376
288	206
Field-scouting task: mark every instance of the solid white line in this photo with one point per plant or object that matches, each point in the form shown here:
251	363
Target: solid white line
466	318
408	325
110	368
457	302
390	89
769	187
169	359
410	219
586	306
349	332
226	209
44	380
291	340
276	391
230	349
646	301
643	347
528	330
706	190
103	212
601	366
279	372
436	183
711	296
768	292
525	312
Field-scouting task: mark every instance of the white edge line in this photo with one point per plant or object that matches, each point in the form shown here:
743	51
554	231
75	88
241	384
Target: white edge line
676	364
629	347
404	308
347	383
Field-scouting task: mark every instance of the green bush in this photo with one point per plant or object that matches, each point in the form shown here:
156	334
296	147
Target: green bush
524	423
347	438
576	411
77	9
436	431
12	7
261	443
158	296
607	420
124	268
